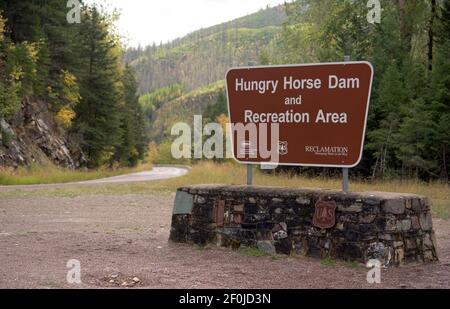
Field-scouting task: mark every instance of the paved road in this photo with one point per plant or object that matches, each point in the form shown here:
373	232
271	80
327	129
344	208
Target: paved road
157	173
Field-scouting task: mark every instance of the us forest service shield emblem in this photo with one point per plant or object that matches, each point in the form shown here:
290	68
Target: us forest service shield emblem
283	148
325	214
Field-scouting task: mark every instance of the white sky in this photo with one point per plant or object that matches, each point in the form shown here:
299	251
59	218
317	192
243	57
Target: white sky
147	21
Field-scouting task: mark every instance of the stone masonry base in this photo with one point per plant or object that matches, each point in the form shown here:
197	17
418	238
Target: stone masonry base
394	228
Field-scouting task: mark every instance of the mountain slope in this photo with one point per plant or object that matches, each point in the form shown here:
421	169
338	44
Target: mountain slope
183	109
203	57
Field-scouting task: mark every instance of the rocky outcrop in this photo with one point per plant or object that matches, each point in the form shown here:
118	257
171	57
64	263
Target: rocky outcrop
32	136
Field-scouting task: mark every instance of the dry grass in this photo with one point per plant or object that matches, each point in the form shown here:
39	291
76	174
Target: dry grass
232	173
50	174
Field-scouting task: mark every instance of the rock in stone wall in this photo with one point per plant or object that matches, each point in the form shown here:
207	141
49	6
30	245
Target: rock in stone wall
32	136
393	228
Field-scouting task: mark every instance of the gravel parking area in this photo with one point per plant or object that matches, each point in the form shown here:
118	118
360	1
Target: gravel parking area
122	241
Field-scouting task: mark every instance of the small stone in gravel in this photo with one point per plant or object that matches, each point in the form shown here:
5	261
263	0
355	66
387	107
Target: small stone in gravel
136	279
159	247
124	283
114	276
162	225
111	281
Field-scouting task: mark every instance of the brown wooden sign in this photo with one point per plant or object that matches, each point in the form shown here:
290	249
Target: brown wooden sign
325	214
320	110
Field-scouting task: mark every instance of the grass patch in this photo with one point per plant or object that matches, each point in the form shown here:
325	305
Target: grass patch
201	247
50	174
251	251
328	261
232	173
235	174
441	208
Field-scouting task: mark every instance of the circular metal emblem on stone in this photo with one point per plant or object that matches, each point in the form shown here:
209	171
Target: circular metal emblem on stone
325	214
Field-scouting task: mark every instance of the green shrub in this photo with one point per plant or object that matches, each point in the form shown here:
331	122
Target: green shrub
7	138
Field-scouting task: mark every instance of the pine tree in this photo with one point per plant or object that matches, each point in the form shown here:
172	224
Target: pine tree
386	115
10	86
98	117
440	93
411	140
215	110
77	70
24	19
41	83
43	26
133	144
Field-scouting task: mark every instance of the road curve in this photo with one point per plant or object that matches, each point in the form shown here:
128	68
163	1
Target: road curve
156	173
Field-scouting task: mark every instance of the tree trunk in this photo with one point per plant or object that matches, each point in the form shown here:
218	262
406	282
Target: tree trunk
444	171
431	35
405	28
374	173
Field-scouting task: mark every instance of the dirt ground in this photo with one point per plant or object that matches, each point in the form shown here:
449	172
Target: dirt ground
121	238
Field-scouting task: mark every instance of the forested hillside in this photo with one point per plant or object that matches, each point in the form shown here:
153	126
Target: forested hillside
203	56
183	108
75	72
185	77
408	133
